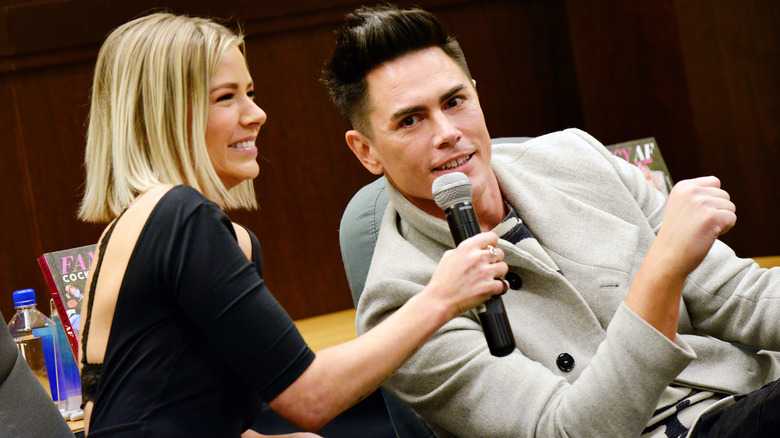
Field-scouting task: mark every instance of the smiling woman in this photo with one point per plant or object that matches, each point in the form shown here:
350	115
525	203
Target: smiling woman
181	336
233	121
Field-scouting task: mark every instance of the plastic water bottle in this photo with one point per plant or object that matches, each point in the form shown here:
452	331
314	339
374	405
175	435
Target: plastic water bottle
34	336
68	379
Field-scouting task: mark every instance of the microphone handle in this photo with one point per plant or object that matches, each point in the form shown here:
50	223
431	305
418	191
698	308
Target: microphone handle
462	221
492	315
495	324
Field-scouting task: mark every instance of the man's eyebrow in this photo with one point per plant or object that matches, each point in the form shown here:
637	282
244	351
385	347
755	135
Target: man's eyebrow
454	90
404	111
413	109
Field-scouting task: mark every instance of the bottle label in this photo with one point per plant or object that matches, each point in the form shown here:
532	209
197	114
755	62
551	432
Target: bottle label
23	338
50	357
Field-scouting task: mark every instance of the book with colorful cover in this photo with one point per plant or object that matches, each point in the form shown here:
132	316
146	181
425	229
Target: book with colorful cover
66	274
645	154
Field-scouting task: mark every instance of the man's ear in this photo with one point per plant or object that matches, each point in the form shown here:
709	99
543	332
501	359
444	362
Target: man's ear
362	148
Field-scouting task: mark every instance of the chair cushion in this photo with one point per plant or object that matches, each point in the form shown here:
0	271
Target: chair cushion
358	233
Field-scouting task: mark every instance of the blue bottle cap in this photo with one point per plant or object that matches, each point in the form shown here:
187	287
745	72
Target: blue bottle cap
24	297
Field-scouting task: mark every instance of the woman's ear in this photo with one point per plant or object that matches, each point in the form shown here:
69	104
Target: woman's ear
363	149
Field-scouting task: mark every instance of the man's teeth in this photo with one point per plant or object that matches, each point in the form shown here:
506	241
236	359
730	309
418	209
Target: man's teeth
243	145
455	163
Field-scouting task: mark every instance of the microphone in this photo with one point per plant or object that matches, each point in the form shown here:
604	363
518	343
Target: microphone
452	193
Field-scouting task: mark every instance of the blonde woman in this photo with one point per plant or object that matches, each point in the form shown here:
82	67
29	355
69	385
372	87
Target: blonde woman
181	336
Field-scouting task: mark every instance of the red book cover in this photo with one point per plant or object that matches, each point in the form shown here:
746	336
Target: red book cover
66	274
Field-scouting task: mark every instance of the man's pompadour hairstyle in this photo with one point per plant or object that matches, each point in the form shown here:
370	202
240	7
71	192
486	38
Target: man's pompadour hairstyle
370	37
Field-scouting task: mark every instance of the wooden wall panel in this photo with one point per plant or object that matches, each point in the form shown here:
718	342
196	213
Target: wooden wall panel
42	163
631	76
732	60
52	108
19	244
520	55
702	79
307	173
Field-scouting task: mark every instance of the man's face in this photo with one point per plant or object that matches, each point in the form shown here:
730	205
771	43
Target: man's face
426	121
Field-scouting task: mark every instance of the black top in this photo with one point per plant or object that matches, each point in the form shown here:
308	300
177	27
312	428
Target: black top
197	340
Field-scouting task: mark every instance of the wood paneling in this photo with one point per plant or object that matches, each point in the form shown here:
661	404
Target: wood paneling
307	173
631	77
52	104
19	229
700	79
731	53
520	55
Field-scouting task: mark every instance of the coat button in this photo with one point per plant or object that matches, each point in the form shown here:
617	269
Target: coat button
515	282
565	362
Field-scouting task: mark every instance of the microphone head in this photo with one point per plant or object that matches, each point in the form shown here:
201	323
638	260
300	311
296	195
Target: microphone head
451	189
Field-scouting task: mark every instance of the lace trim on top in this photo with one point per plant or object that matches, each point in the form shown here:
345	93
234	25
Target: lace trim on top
90	372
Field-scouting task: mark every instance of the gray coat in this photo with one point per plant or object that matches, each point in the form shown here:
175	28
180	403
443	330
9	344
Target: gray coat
596	217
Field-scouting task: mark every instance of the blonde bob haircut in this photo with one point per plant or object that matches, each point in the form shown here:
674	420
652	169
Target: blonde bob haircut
147	120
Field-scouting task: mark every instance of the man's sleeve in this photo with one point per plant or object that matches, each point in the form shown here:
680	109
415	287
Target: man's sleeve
727	297
456	385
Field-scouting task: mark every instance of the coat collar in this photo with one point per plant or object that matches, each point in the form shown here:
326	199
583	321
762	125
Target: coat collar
567	214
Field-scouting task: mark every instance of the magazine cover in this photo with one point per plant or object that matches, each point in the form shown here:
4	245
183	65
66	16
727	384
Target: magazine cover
645	154
66	274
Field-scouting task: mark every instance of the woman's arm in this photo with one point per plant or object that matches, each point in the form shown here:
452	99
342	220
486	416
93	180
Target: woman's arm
342	375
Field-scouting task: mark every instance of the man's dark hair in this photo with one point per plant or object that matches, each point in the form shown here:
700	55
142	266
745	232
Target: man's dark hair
370	37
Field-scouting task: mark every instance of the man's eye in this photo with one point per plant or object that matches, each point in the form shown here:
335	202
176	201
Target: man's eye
408	121
455	101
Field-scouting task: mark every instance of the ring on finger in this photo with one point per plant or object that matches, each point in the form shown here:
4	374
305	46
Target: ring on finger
492	250
504	284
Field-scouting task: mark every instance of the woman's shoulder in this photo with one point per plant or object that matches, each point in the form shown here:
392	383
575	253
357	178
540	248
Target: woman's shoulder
176	209
185	200
184	194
